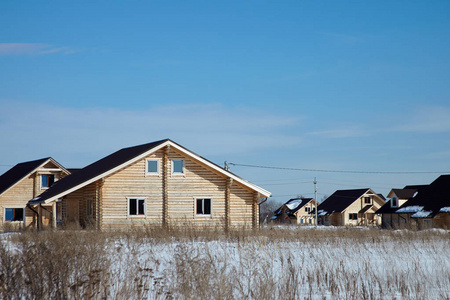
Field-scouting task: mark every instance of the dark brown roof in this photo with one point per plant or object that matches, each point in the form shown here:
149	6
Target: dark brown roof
416	187
365	208
432	197
300	201
95	169
18	172
406	193
340	200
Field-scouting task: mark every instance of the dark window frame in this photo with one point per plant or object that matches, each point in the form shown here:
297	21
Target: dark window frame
48	182
16	216
394	202
203	206
136	207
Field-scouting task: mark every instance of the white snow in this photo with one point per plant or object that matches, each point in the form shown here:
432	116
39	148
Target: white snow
409	209
314	268
445	209
294	204
321	213
421	214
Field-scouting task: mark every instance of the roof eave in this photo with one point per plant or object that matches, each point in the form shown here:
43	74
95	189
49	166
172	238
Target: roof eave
256	188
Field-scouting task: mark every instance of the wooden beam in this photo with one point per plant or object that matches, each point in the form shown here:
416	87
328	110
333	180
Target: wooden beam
229	182
54	215
165	188
39	217
98	203
255	211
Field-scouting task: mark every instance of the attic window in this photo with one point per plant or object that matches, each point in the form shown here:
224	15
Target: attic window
177	166
307	209
14	214
136	206
153	166
367	200
394	202
47	180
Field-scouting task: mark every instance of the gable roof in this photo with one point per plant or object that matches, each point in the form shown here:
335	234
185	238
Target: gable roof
340	200
21	170
293	205
404	193
119	160
430	200
408	192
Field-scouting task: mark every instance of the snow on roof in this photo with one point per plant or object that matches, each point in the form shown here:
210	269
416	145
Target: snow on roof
294	204
321	213
422	214
445	209
409	209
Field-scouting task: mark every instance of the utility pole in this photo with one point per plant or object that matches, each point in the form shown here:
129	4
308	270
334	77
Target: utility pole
315	199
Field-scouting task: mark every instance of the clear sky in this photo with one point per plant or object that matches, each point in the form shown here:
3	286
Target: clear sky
336	85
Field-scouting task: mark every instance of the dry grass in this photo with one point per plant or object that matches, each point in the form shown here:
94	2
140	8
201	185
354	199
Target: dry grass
183	263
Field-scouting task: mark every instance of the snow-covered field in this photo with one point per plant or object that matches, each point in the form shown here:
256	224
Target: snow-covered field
273	263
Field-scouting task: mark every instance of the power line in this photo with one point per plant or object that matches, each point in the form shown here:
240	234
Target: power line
339	171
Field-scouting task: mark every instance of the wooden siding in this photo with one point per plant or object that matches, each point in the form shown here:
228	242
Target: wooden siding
301	214
18	197
169	198
22	192
241	206
130	182
359	204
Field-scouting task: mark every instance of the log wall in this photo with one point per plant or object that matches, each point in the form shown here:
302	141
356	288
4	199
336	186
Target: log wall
170	199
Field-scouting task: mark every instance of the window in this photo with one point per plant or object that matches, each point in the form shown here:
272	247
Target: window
307	209
353	216
47	180
177	166
152	166
367	200
394	202
14	214
136	207
203	206
90	207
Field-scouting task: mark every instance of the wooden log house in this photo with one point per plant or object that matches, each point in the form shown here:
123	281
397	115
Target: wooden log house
22	182
156	184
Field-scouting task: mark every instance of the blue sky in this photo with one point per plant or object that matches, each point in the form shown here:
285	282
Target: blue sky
340	85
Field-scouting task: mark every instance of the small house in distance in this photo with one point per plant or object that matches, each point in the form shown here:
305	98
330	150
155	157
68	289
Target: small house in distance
296	211
351	207
397	198
22	182
430	207
156	184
